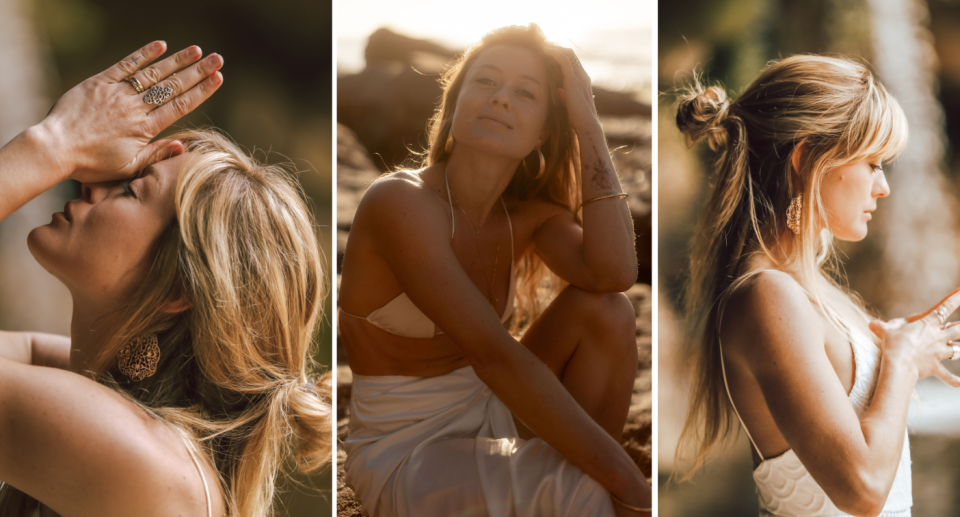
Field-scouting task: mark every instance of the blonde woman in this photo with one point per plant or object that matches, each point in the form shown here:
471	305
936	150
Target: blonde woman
185	385
820	388
450	413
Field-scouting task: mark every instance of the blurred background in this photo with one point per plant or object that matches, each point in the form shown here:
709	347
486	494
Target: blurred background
389	59
275	99
907	263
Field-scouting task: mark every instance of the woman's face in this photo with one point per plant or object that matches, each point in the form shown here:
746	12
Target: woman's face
102	245
850	195
502	104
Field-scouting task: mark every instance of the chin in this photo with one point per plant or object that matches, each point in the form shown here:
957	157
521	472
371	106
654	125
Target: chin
40	243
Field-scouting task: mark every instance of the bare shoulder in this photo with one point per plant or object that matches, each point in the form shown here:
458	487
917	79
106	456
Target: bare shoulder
769	309
400	193
75	444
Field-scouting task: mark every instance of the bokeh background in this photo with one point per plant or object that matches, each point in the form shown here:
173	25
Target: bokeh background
276	99
389	58
906	264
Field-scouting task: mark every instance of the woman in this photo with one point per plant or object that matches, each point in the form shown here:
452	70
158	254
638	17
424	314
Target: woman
449	412
821	390
197	285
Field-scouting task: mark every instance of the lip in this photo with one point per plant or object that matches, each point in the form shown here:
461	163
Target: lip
496	119
66	212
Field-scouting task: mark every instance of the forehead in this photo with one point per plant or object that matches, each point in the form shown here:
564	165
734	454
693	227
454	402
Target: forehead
512	60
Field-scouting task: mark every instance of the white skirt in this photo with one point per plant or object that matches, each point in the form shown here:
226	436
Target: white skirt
445	445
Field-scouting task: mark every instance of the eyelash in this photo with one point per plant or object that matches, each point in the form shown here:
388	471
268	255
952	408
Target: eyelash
127	189
489	82
877	168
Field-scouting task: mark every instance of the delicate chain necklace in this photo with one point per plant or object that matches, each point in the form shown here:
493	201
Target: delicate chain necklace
476	233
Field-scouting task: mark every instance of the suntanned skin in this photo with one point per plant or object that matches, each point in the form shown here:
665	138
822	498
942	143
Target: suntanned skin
77	446
790	371
569	381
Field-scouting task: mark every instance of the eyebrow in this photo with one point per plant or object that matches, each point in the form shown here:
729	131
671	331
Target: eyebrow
144	172
524	76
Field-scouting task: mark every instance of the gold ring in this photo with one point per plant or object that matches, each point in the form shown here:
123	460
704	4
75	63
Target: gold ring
135	83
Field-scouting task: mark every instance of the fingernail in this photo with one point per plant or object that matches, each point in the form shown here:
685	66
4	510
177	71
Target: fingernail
194	51
158	45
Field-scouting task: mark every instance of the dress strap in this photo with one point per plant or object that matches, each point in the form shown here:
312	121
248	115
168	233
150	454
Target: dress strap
723	369
453	220
203	479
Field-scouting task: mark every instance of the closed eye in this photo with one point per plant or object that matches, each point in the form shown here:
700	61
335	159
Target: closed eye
876	167
127	190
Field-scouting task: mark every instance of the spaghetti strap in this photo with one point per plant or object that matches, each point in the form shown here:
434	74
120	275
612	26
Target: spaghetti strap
203	479
723	369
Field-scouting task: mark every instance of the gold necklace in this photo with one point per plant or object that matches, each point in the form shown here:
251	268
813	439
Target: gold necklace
476	233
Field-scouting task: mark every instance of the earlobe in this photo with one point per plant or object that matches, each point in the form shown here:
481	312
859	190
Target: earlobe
177	306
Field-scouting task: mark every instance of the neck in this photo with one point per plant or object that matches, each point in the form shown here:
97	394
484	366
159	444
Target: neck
478	179
89	329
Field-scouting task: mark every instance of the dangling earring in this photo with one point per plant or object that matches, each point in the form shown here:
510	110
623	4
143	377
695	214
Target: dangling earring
138	359
543	165
449	145
793	214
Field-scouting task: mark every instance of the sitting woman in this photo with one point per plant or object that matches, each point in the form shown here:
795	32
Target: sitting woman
450	414
186	384
821	389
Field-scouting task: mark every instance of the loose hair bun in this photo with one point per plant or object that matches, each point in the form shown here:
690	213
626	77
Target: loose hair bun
702	113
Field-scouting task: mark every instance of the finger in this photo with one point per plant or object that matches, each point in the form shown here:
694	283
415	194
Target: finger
153	74
947	377
134	62
190	77
156	152
566	67
184	103
951	333
950	303
879	328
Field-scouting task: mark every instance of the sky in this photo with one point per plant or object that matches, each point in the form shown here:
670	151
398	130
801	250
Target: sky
613	39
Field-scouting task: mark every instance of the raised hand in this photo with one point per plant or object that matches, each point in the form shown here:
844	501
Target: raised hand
924	340
101	129
577	90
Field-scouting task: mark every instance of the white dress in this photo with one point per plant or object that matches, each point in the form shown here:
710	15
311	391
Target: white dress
446	445
784	485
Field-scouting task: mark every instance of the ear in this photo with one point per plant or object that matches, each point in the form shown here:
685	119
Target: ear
177	306
796	158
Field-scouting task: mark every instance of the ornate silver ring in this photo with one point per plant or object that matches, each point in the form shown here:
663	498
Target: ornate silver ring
135	83
956	353
157	94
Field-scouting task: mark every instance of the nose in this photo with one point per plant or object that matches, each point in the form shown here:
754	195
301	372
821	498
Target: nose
500	98
93	193
880	186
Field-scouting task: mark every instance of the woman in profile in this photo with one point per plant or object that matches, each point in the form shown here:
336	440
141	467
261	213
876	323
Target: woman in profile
450	413
820	387
185	386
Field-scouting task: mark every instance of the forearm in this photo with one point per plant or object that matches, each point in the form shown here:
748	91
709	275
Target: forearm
36	348
885	421
608	238
535	396
28	167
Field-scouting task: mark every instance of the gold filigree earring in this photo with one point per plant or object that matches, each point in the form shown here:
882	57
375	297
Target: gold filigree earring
793	214
138	359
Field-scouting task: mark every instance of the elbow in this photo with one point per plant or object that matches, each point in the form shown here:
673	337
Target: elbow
863	495
616	280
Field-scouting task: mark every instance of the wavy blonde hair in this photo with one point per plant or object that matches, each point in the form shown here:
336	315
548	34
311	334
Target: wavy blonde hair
236	375
559	183
842	115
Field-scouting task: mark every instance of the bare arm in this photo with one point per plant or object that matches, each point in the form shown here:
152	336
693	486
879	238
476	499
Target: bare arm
83	450
775	334
411	233
36	348
101	129
602	255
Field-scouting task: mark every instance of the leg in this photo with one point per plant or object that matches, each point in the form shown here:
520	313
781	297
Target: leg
589	341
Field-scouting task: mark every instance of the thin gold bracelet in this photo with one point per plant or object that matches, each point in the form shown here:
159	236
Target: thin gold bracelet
587	202
630	507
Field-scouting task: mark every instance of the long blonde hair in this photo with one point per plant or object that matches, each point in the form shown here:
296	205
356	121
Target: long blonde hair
559	183
842	115
236	375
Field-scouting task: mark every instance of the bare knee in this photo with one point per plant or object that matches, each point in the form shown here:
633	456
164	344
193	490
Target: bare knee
608	316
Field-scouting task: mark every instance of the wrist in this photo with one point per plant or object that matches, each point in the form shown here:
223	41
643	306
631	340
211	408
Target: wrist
902	362
46	143
591	129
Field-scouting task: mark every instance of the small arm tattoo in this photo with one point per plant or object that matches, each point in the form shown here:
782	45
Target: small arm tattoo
603	177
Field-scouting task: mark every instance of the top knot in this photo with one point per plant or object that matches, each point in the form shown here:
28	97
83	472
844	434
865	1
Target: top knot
703	113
